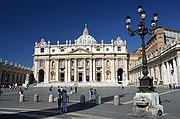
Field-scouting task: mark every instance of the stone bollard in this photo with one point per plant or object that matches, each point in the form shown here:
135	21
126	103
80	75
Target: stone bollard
21	98
82	99
51	98
116	100
36	98
98	100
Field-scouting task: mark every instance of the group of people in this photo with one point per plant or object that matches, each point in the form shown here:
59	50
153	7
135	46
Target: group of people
62	98
172	86
20	91
92	94
10	86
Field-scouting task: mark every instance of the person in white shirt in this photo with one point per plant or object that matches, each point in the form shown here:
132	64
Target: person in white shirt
90	95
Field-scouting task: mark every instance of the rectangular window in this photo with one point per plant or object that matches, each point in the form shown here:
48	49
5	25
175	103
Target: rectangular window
119	49
98	49
119	61
42	50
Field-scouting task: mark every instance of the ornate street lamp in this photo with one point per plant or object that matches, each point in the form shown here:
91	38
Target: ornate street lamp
146	83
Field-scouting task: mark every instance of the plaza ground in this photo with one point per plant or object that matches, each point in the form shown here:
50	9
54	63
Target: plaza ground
10	107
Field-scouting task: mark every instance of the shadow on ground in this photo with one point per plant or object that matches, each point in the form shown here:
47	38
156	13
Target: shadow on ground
110	98
54	111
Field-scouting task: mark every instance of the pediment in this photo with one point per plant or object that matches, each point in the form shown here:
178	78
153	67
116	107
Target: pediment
80	51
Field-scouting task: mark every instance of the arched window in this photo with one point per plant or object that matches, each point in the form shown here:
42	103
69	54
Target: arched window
107	64
52	75
87	62
72	63
52	63
108	75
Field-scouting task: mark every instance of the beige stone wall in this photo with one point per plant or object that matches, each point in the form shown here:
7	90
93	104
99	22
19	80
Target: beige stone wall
11	74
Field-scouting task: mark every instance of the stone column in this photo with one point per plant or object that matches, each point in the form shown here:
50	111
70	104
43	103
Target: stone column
66	70
175	79
10	77
164	73
126	71
178	67
94	70
36	70
90	72
57	70
168	74
113	70
158	72
103	70
75	70
84	74
69	70
47	78
153	72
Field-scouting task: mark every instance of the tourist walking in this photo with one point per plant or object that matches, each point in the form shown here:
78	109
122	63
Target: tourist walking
64	101
50	90
21	92
76	89
94	94
26	86
90	94
59	99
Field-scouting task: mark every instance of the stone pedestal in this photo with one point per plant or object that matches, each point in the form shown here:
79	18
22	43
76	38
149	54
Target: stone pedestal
21	98
116	100
82	99
36	98
147	104
51	98
98	100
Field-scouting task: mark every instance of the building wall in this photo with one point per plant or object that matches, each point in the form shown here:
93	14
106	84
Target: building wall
11	74
163	58
81	62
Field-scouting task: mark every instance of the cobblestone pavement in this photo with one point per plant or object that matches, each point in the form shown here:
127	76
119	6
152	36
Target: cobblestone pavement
10	107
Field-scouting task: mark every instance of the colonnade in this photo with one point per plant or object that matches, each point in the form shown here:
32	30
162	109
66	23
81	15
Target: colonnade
9	76
84	70
163	73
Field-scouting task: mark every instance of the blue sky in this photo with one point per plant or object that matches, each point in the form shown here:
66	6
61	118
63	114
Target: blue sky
23	22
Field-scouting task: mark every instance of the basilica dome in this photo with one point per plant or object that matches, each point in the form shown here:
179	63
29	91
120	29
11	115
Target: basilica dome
85	38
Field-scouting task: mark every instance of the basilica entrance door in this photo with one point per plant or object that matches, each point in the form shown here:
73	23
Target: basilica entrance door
87	78
80	77
99	77
72	78
120	75
41	75
62	77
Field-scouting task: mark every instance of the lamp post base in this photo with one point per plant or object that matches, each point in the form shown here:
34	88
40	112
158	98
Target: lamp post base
146	84
147	104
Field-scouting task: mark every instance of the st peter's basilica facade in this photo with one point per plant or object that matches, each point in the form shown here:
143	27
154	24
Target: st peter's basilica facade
82	61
